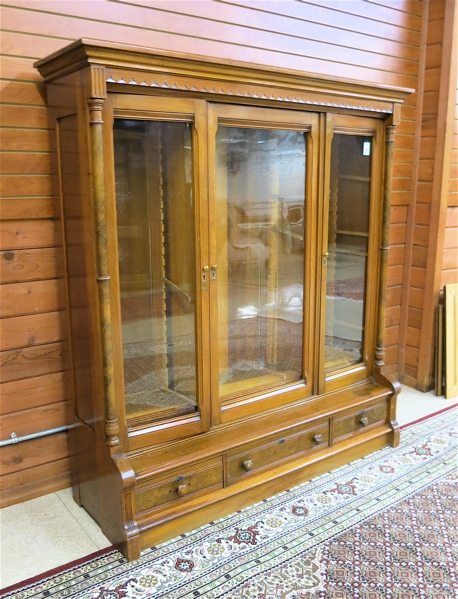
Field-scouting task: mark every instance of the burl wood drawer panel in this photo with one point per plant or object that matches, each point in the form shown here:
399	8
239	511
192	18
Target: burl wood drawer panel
357	421
275	449
179	485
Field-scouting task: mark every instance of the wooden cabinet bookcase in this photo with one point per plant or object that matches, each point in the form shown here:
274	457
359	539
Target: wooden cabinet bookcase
224	232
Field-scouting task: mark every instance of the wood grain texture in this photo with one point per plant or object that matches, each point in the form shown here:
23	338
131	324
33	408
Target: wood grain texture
425	233
35	297
35	117
194	36
25	185
31	140
29	454
23	208
31	94
30	330
396	255
39	480
372	41
35	420
18	364
442	31
34	392
28	265
16	163
21	234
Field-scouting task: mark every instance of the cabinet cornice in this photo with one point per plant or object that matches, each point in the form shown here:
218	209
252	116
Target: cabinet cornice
154	68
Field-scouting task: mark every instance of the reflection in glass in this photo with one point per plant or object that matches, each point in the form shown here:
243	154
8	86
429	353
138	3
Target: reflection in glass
260	195
155	218
347	246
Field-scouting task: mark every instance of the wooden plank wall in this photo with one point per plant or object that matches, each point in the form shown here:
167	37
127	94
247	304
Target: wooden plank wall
450	261
370	40
430	245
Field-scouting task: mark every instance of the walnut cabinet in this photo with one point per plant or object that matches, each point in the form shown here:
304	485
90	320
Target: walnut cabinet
224	234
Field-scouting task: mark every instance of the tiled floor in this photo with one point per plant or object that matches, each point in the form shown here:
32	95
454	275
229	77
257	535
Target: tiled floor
52	530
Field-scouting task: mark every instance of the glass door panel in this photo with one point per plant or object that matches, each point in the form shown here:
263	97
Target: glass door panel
348	235
156	247
260	207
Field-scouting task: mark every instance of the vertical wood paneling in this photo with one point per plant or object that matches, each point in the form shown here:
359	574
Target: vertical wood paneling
378	42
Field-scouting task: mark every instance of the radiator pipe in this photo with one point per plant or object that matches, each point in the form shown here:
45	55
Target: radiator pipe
16	439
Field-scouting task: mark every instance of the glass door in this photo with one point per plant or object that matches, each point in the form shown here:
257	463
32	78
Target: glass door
156	183
351	255
261	237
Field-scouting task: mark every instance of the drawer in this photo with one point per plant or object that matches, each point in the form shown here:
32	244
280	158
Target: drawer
179	485
357	421
256	457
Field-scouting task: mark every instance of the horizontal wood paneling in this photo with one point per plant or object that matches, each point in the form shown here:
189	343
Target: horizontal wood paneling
30	330
196	36
414	317
15	140
28	265
398	214
397	234
16	163
19	69
22	456
18	364
396	255
35	117
394	277
419	257
418	277
20	234
378	42
33	94
22	208
393	316
449	277
18	299
36	420
34	482
393	296
34	392
25	185
30	45
450	238
450	258
392	336
417	298
412	354
373	20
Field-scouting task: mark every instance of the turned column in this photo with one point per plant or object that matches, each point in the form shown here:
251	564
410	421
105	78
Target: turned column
103	278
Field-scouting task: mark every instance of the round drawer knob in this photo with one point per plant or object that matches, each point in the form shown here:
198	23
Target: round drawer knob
364	421
182	490
248	465
318	439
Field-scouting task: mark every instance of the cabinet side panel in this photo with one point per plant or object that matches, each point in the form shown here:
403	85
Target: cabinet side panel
75	263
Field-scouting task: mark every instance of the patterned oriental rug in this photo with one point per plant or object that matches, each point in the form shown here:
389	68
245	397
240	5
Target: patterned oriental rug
384	526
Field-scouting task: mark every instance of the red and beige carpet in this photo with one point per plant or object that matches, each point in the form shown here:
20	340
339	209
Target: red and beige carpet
381	527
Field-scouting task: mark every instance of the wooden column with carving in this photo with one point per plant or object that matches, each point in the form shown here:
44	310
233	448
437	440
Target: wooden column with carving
390	129
103	278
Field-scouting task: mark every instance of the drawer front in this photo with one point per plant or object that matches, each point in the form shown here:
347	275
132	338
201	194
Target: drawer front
356	422
274	450
179	485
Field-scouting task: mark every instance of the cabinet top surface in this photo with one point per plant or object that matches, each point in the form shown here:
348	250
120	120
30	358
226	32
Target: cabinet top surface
86	52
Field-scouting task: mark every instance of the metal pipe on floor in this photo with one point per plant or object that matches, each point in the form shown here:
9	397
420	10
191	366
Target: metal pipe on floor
16	439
